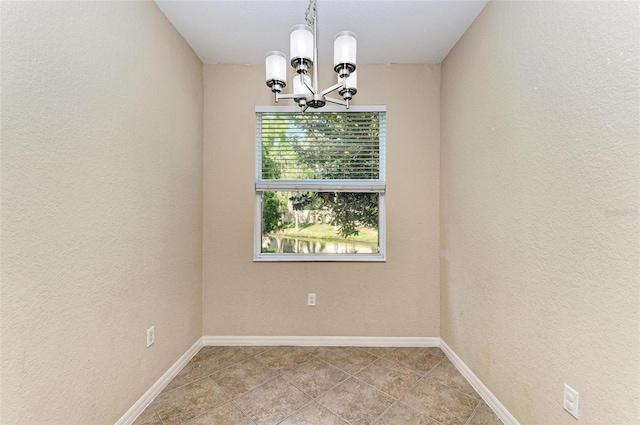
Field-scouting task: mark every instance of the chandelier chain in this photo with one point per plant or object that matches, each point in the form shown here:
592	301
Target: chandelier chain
310	14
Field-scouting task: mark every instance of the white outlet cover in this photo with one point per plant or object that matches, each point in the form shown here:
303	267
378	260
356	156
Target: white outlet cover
311	300
570	400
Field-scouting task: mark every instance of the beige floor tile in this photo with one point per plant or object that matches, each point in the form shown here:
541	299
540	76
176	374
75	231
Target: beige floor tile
313	414
420	384
284	358
204	353
227	414
191	372
356	402
484	416
314	377
440	402
422	360
255	350
350	359
148	417
271	402
378	351
220	358
316	351
447	373
243	376
399	414
389	377
188	401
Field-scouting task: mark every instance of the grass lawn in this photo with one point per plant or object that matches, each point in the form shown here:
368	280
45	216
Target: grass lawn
326	231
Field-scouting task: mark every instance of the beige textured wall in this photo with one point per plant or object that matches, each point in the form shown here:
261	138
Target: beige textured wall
101	207
539	207
396	298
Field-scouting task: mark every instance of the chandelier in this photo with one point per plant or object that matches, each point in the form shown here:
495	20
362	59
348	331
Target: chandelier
304	56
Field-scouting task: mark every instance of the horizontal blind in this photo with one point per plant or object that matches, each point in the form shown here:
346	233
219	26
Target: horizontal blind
316	146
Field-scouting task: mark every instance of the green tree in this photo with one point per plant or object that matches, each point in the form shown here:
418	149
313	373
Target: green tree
273	205
272	210
349	149
352	210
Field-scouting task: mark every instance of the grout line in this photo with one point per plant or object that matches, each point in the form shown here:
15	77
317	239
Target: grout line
242	412
423	376
197	364
297	410
234	399
181	386
278	374
231	399
386	410
422	413
346	371
448	385
158	416
378	356
339	417
395	400
207	411
473	413
204	413
327	407
420	375
327	390
375	388
331	388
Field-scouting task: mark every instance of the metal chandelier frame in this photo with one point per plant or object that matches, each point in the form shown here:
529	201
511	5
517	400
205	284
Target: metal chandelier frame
308	95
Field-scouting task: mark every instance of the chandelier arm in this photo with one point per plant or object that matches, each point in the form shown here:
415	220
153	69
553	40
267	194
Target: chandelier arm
332	88
314	91
337	101
292	96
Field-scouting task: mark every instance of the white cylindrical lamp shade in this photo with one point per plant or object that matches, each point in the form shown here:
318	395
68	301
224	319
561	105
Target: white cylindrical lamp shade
344	51
301	44
299	87
276	68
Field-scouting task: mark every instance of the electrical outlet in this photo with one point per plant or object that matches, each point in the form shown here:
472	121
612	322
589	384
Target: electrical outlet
570	401
151	336
311	300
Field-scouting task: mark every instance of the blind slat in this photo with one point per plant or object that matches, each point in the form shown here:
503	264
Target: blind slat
325	146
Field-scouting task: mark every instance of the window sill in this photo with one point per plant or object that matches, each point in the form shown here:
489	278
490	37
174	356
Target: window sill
319	257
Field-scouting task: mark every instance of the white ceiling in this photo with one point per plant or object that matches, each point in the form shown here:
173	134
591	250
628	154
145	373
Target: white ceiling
389	31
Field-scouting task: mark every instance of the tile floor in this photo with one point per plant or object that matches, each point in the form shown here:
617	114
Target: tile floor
318	385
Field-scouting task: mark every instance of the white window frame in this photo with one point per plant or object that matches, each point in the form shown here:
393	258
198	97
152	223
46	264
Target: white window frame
325	186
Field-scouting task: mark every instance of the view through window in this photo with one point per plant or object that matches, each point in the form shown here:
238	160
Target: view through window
320	185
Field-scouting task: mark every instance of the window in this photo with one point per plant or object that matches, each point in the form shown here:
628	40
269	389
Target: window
320	184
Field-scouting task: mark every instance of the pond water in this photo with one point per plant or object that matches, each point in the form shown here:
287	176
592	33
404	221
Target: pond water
286	245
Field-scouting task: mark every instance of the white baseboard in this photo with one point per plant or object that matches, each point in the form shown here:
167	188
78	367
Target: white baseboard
475	382
157	388
326	341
